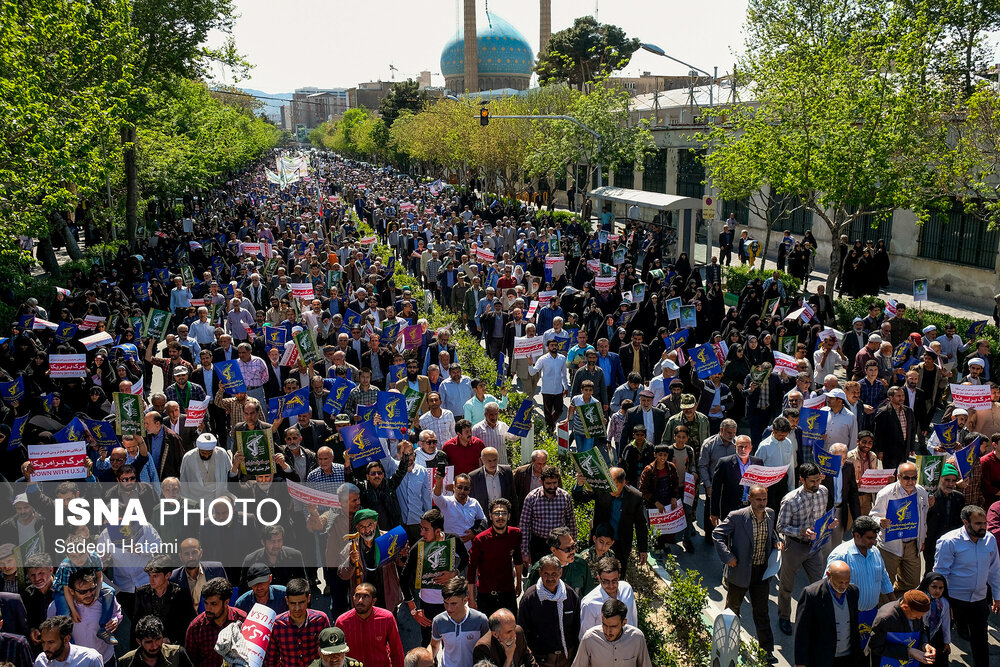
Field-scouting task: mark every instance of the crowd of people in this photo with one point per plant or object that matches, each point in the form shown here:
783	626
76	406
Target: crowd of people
608	342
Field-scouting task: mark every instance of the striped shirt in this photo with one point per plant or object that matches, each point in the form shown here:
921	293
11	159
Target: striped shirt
868	573
493	437
443	426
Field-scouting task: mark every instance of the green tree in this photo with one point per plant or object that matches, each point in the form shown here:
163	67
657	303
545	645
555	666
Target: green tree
402	95
844	117
585	52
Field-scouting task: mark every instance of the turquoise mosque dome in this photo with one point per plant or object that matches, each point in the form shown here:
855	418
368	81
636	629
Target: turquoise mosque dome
503	50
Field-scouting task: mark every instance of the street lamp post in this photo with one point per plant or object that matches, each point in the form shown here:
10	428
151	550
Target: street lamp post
654	49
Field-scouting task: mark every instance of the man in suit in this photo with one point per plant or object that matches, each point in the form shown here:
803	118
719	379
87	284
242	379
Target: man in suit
470	305
440	345
610	363
493	322
826	622
169	446
414	380
314	432
635	358
631	515
892	445
225	351
727	493
14	615
350	353
653	417
380	356
516	327
528	477
492	480
745	549
195	572
854	340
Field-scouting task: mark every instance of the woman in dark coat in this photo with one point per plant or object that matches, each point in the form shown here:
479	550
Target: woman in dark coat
733	373
882	263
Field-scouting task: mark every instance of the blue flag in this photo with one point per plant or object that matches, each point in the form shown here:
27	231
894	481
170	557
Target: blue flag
103	432
75	431
26	322
829	464
17	432
865	620
965	458
677	339
230	376
396	373
289	405
366	412
352	318
564	342
129	350
141	291
976	330
522	420
65	332
903	517
274	337
389	334
12	391
823	529
362	443
227	290
388	545
391	410
163	275
501	372
706	361
908	639
947	434
340	389
813	425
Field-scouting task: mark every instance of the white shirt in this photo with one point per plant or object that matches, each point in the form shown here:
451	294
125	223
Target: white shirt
79	656
659	386
458	518
555	379
895	491
492	484
590	606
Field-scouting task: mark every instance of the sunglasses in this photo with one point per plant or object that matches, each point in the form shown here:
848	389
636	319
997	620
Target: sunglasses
908	478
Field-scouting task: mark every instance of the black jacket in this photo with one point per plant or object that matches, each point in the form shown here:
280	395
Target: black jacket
890	445
815	643
891	618
727	493
849	499
541	622
633	518
479	492
944	516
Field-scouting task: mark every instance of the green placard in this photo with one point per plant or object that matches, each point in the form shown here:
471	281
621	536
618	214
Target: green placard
270	266
333	278
156	323
787	344
731	299
592	466
31	546
413	400
256	448
929	471
308	350
434	558
188	275
555	247
217	314
128	414
759	373
592	418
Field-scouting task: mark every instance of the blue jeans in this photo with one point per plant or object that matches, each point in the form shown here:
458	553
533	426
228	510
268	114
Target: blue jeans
106	597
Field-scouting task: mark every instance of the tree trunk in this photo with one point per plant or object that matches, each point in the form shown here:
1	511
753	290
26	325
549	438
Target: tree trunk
767	242
47	256
831	278
131	184
61	227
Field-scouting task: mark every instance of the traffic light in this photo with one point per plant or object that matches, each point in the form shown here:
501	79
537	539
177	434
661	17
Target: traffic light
484	117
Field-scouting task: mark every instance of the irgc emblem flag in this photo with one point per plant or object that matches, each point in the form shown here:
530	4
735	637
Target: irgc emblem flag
156	323
128	414
306	344
391	410
592	419
362	443
256	448
824	531
433	559
965	458
388	545
413	400
231	377
274	337
689	316
592	466
706	363
929	470
947	434
289	405
337	398
903	517
412	337
907	639
522	420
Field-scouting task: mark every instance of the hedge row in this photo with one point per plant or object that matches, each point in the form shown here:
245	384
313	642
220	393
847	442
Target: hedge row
737	277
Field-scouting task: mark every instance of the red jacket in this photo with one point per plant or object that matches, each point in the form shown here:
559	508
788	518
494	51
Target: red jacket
465	459
990	481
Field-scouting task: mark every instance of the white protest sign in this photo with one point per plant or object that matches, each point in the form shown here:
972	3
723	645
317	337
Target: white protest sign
65	460
669	522
195	414
975	396
528	347
67	365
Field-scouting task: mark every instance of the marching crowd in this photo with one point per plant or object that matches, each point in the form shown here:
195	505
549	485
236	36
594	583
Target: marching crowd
280	335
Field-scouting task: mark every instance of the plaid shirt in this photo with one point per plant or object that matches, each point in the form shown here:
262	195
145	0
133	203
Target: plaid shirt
759	539
201	635
292	646
901	416
254	371
319	480
872	393
232	406
616	424
14	649
359	396
443	426
799	511
541	514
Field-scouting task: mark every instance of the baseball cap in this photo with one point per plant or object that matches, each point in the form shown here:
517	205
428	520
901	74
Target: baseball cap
687	401
874	338
837	392
332	641
258	574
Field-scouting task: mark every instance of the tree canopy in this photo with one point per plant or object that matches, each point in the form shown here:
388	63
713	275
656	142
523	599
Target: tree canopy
585	52
402	95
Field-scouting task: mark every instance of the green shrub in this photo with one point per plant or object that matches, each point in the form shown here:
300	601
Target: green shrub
737	278
685	601
848	309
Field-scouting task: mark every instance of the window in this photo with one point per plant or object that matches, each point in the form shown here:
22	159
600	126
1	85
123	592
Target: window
959	238
654	179
799	221
869	227
740	207
625	176
690	173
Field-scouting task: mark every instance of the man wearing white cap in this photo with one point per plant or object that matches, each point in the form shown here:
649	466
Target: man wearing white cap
205	469
23	525
975	376
841	423
930	334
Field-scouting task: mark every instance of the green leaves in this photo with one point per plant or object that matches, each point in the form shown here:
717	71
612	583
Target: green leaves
586	52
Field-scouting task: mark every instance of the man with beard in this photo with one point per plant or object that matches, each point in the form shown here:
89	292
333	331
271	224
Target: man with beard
371	630
504	644
162	599
284	562
152	652
57	649
205	470
205	628
415	381
195	573
363	564
494	552
333	650
463	515
613	642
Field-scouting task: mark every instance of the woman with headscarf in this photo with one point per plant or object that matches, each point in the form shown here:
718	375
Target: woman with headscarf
881	264
753	351
937	620
733	373
683	267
